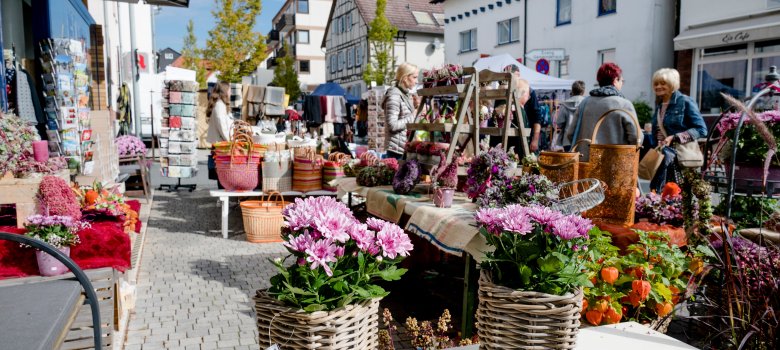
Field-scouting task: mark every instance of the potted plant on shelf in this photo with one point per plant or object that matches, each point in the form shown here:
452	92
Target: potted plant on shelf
57	230
445	180
532	282
328	296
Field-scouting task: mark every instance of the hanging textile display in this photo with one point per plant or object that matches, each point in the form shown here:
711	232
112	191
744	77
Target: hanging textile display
123	110
178	135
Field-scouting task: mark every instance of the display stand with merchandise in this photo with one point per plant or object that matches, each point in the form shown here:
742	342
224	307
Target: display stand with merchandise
178	135
66	90
466	120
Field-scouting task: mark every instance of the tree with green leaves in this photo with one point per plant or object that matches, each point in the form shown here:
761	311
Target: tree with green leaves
191	55
233	47
381	34
285	75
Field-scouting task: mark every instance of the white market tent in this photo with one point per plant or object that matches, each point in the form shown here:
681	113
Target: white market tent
537	80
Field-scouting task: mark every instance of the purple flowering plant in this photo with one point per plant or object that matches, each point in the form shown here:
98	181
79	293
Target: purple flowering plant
487	170
660	210
57	230
129	145
536	248
337	260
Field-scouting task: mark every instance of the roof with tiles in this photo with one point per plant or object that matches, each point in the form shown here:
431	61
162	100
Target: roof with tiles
407	15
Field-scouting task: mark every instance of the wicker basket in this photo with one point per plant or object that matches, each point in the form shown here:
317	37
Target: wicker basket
510	319
263	219
559	167
350	327
617	166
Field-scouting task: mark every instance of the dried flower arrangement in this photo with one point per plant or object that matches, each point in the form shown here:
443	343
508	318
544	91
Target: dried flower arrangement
56	197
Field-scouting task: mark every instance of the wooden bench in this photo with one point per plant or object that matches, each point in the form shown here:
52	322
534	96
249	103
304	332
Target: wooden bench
57	312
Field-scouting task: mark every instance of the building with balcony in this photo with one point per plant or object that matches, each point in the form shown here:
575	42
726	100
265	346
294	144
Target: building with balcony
420	35
300	25
566	38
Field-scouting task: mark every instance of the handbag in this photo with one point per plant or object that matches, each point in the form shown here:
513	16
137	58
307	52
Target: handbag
649	165
688	154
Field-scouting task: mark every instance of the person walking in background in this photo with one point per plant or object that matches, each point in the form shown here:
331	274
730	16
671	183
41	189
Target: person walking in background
676	120
399	109
567	113
220	122
615	130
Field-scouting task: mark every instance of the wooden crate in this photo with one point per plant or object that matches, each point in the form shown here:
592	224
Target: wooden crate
21	192
80	335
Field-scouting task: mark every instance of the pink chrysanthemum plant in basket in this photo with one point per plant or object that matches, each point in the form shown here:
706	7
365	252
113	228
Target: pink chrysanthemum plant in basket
336	260
445	180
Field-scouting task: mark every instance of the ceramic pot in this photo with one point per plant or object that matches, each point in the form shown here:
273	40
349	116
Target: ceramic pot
442	197
49	265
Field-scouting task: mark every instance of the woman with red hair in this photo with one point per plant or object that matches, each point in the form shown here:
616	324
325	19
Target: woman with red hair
616	130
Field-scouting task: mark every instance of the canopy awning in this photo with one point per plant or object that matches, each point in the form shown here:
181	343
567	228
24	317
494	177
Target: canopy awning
720	33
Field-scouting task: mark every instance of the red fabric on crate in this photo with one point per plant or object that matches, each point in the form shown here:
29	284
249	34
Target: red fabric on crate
136	205
104	244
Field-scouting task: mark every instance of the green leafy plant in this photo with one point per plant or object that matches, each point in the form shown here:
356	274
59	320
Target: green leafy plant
337	260
536	248
644	113
749	212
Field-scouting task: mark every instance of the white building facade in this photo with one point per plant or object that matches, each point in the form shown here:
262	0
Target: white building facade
301	25
566	38
726	48
419	40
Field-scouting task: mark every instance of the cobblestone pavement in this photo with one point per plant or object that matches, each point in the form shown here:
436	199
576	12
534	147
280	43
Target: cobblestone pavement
195	288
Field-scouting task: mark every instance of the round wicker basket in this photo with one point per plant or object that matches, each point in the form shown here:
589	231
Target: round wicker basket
511	319
353	326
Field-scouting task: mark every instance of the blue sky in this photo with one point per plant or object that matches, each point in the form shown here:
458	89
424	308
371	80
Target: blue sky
171	22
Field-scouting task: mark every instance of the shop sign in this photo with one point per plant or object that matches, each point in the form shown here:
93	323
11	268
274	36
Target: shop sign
549	54
737	37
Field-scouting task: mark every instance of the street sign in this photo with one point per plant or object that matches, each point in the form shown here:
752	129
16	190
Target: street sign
549	54
543	66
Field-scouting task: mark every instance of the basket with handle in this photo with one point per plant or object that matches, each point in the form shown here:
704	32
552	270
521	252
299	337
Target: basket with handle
263	218
617	167
238	172
277	175
333	169
307	172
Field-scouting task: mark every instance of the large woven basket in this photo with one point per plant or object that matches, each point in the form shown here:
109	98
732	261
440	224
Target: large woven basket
617	166
511	319
350	327
263	219
559	167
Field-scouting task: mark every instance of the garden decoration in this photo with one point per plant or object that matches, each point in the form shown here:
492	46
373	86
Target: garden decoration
407	177
530	287
445	180
57	230
328	297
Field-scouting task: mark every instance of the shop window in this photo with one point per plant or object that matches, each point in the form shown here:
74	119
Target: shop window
768	46
468	40
606	56
607	7
303	67
563	12
725	50
720	77
761	68
303	36
509	31
303	6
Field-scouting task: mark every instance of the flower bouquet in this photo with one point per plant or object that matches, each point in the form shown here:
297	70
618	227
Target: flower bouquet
445	180
532	281
329	292
57	230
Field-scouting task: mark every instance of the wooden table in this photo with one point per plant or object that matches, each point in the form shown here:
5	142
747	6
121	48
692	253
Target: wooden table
224	197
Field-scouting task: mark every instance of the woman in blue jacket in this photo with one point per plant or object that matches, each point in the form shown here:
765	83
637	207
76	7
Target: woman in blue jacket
676	119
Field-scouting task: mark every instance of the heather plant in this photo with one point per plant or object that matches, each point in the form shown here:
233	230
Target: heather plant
660	210
536	248
59	231
337	260
55	197
487	170
16	151
525	189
